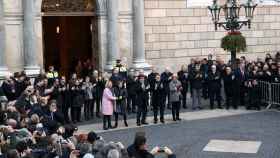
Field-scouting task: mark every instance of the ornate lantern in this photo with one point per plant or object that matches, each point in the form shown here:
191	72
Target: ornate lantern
215	10
250	7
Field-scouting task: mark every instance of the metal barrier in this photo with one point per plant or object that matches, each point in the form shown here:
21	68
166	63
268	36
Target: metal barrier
270	93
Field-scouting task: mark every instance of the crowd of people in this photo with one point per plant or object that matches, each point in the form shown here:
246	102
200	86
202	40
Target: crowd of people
35	113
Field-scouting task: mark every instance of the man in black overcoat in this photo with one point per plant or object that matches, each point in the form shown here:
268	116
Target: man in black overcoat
214	83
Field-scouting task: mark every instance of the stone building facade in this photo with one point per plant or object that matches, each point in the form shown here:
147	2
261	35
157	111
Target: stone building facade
176	32
145	32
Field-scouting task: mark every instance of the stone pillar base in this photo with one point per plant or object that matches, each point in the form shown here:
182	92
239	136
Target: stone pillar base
109	67
141	64
32	71
3	72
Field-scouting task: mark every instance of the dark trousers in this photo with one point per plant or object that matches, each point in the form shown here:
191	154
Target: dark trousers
141	114
166	100
230	102
239	95
89	109
205	90
76	114
107	121
215	93
98	103
131	103
176	110
65	111
254	99
159	108
184	98
117	118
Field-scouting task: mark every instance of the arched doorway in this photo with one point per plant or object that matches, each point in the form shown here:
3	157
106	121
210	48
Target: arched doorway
70	34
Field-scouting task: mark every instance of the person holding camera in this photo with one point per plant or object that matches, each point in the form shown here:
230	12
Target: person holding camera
139	149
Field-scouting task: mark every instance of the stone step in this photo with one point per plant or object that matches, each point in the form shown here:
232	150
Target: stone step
186	116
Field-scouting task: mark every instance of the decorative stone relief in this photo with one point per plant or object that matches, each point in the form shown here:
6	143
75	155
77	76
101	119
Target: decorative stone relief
68	6
101	7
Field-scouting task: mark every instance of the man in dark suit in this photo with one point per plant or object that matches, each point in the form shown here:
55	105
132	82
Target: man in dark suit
214	80
241	77
158	99
142	90
229	85
166	77
131	87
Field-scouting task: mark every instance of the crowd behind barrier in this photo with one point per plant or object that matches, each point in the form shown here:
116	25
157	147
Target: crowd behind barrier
41	114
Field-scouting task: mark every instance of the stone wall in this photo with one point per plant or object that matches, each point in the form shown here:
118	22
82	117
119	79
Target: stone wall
14	34
175	33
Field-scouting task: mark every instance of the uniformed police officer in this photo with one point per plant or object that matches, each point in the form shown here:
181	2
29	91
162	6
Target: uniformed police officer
52	75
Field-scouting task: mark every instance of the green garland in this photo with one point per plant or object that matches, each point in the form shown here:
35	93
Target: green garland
234	41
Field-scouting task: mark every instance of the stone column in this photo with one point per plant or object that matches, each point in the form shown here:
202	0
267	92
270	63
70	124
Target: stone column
101	14
29	39
112	33
3	66
139	61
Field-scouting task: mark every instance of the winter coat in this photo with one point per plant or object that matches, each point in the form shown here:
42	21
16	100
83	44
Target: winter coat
183	77
158	94
142	93
108	102
196	80
78	97
175	93
120	103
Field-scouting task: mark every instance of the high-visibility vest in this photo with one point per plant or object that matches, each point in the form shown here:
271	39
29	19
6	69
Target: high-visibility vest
53	74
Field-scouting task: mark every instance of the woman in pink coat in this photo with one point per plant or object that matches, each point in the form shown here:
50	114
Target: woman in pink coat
108	102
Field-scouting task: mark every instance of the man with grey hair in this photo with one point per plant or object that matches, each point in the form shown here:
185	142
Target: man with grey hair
214	79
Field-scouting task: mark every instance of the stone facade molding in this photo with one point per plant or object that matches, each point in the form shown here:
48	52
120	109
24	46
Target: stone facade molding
101	7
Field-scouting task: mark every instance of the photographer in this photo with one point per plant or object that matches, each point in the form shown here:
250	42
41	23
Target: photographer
139	149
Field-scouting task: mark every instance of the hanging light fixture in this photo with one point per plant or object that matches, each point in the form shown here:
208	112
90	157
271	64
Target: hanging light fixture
215	10
250	7
231	11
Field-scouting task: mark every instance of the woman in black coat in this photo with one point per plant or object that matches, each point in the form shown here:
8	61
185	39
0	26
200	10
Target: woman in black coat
120	107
